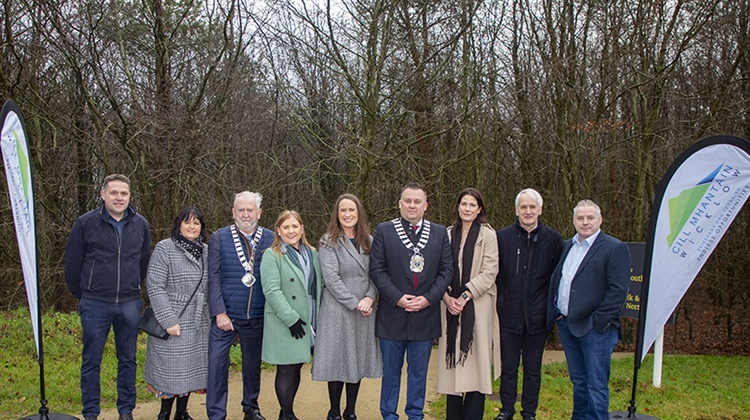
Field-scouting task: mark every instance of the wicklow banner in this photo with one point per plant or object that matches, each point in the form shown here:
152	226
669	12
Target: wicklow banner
697	200
18	174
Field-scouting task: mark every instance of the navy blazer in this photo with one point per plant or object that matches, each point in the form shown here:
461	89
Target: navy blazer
599	288
389	270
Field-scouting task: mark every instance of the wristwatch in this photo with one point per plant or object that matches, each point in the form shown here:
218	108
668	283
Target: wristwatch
465	296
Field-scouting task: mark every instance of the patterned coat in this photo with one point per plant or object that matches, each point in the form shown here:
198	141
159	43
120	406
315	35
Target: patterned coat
476	373
178	364
346	348
286	302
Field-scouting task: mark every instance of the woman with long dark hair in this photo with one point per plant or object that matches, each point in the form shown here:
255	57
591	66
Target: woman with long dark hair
470	329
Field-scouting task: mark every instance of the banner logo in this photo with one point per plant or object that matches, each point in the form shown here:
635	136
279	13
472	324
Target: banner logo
17	172
699	215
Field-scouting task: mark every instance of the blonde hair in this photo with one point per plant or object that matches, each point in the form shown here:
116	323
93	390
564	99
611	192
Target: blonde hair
283	216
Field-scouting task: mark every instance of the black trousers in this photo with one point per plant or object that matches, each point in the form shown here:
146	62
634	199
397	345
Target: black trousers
470	406
512	347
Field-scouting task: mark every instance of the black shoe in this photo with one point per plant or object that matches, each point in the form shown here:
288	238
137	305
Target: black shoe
330	416
253	414
527	416
350	417
163	416
126	416
504	415
183	416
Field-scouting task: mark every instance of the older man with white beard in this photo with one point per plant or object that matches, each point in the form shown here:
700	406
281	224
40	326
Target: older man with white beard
236	304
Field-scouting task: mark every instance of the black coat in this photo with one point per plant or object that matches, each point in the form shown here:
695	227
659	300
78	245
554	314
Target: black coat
104	265
527	260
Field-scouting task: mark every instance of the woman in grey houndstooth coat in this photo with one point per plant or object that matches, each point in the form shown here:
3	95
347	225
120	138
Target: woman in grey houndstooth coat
346	349
177	366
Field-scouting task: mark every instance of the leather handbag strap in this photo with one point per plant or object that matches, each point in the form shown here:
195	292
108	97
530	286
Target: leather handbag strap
194	291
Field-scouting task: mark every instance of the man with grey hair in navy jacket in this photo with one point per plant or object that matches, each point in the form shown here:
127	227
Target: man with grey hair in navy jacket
236	302
529	252
106	259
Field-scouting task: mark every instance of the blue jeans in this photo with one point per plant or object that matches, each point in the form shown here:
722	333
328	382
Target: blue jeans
589	359
417	362
96	319
219	344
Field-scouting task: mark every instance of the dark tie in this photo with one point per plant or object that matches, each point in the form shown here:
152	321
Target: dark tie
416	280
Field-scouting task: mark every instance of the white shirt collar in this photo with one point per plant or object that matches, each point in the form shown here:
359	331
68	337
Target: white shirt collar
419	224
589	241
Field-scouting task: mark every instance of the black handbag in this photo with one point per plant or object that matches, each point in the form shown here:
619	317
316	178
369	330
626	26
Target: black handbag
151	326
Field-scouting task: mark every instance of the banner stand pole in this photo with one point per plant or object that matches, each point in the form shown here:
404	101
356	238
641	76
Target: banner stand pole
44	413
658	359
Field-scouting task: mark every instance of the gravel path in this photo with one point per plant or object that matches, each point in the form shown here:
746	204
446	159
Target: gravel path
312	398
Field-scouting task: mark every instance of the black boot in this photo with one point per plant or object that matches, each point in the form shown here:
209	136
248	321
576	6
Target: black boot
166	408
182	416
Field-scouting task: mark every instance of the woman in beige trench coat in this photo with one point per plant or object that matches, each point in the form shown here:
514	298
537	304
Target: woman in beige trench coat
465	371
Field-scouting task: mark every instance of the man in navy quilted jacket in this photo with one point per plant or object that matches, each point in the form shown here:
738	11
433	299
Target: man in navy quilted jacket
106	259
236	304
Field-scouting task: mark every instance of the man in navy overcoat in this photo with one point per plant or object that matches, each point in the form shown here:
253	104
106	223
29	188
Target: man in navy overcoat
411	265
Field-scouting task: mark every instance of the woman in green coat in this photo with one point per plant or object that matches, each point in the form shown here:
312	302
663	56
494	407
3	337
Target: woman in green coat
291	280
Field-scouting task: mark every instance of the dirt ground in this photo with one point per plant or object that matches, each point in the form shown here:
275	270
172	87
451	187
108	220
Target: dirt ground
311	401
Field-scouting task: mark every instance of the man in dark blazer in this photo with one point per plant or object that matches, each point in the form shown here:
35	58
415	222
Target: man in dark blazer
587	293
411	265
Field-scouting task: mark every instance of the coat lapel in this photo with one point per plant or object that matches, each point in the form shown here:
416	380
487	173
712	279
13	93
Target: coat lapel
298	273
566	249
346	244
589	255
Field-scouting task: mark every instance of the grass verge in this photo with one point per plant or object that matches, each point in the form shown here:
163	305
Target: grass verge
19	368
693	387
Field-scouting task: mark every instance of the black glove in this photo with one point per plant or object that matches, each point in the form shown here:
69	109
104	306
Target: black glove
298	329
